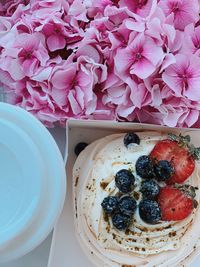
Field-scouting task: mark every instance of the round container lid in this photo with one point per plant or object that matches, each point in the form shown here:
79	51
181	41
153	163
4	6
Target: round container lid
20	188
32	182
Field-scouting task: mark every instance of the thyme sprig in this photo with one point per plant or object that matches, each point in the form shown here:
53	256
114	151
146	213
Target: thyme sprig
194	151
188	189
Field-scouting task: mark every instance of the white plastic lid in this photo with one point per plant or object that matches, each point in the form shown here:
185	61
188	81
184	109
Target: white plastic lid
32	182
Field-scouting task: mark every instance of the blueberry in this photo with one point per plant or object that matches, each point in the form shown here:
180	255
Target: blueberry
110	204
127	205
144	167
163	170
149	211
124	180
121	221
80	147
150	189
131	138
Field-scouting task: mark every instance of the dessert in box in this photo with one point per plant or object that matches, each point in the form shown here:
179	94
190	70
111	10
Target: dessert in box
70	238
136	199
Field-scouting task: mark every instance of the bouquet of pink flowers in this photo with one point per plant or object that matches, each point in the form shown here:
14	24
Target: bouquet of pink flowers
125	60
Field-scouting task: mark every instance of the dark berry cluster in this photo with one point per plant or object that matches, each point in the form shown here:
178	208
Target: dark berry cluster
121	210
149	209
160	170
146	167
150	171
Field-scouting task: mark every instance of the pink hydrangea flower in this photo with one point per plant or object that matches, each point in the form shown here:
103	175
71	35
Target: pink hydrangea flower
169	109
191	42
41	6
178	111
183	77
55	33
184	11
5	26
78	10
102	111
119	96
143	8
126	60
96	41
73	85
34	97
25	56
95	8
141	57
8	7
160	29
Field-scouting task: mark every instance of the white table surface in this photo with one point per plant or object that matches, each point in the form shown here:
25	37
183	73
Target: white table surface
39	256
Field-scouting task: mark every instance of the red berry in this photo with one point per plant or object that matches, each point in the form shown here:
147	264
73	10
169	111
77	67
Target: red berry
174	204
179	158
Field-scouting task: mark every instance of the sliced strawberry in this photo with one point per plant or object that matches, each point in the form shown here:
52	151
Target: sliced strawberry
179	158
174	204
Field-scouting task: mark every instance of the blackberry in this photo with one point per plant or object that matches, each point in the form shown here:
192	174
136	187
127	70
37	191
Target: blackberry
149	189
110	204
79	148
131	138
149	211
124	180
121	221
144	167
163	170
127	205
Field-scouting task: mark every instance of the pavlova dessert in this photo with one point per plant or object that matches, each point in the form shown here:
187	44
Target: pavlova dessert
136	199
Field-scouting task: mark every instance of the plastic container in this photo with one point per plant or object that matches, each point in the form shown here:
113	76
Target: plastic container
32	182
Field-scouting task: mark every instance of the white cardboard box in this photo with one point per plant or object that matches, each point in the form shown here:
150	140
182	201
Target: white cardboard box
65	249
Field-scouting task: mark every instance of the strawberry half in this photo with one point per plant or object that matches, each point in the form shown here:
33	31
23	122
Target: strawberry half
174	204
179	158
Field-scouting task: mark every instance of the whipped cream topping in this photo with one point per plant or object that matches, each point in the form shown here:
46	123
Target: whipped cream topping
162	244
